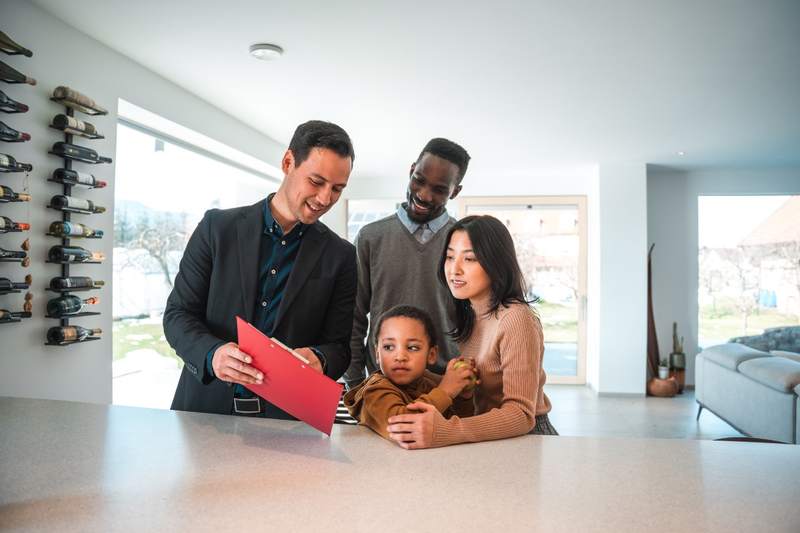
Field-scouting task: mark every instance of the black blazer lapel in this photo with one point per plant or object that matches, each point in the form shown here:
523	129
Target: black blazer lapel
249	229
311	248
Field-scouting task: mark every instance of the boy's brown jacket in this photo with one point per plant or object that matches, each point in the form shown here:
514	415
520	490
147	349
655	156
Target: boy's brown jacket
376	399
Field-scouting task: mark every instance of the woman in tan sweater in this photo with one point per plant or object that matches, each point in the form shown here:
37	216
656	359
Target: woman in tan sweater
496	326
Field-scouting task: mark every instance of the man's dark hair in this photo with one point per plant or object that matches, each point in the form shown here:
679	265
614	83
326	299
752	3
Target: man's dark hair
320	134
414	313
449	151
494	250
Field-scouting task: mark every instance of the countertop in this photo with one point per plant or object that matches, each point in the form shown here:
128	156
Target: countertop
67	466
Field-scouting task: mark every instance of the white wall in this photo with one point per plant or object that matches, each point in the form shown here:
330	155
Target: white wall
620	315
672	226
64	56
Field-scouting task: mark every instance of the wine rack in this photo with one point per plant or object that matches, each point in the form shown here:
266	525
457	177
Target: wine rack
67	212
11	108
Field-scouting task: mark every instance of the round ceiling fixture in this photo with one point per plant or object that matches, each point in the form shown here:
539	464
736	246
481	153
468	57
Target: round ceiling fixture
266	52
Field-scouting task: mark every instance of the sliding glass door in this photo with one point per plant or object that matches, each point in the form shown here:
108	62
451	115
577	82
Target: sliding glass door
550	237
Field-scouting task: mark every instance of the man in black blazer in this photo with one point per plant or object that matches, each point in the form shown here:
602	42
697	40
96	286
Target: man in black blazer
277	266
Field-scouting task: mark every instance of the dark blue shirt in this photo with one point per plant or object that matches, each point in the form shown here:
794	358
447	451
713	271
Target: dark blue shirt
277	254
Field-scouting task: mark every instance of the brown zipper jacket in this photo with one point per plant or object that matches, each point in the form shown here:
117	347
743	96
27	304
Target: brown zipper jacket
377	398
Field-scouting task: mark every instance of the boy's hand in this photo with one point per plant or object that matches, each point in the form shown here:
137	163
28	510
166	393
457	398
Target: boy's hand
457	377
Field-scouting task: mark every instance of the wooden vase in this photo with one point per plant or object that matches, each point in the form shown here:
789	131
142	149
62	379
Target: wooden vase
662	388
680	376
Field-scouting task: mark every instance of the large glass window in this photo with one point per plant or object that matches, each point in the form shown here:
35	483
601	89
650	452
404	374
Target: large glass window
549	235
362	212
749	265
162	190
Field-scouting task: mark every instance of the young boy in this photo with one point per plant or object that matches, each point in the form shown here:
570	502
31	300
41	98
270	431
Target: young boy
405	345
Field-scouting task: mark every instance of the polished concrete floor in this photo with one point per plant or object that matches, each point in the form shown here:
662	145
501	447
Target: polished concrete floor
579	411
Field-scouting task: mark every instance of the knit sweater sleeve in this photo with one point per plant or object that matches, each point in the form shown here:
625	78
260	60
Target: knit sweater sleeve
519	341
382	402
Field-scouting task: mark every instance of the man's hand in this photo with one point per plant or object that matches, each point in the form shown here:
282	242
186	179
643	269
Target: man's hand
313	360
232	365
414	431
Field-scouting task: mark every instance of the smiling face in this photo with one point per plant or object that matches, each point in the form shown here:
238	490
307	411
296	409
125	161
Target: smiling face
434	181
310	189
404	349
466	278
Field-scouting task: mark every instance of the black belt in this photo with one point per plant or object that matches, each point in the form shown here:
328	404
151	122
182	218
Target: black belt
247	406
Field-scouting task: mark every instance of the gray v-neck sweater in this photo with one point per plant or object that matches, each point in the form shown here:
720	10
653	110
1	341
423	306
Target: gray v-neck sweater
395	269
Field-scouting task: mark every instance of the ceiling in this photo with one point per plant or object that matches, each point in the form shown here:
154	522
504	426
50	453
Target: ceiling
518	84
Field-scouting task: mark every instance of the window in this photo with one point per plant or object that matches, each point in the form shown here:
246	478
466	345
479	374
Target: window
162	189
549	235
362	212
749	265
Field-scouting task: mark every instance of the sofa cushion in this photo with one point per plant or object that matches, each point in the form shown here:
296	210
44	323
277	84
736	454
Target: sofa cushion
775	372
732	354
788	355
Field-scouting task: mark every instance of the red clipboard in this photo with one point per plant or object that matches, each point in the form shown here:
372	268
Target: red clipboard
289	383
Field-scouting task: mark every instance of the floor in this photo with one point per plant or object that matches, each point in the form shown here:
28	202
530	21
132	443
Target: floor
579	411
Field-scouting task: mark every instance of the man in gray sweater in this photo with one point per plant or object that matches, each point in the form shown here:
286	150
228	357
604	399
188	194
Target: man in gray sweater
398	256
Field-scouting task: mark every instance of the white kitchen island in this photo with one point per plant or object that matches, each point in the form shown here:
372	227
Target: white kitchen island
68	466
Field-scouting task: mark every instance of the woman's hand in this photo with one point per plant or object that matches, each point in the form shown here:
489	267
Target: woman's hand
414	430
459	375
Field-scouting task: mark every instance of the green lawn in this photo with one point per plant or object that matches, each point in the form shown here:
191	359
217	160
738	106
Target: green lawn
726	322
559	322
135	334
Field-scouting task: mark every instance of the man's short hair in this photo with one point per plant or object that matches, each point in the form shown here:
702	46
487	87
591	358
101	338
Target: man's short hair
320	134
449	151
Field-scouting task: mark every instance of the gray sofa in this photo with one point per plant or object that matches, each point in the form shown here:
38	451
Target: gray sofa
754	391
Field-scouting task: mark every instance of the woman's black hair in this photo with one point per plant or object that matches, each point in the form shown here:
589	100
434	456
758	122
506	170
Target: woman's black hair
494	249
414	313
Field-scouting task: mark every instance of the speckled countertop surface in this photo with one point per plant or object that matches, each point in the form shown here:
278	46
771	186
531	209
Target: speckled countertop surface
68	466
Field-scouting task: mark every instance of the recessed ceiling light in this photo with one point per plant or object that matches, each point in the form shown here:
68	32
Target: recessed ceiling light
266	52
681	153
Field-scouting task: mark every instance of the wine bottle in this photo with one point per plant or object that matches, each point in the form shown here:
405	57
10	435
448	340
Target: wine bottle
60	201
6	225
68	304
8	285
78	153
12	254
73	254
61	334
12	75
8	195
73	229
9	134
72	96
8	46
6	315
75	282
9	164
74	177
9	105
65	122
